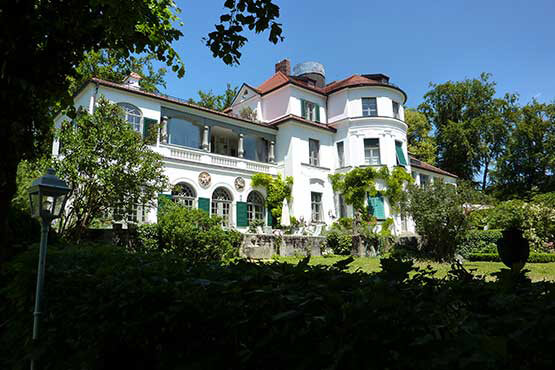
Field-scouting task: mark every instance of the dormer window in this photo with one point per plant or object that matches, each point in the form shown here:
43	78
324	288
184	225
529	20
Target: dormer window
369	107
310	110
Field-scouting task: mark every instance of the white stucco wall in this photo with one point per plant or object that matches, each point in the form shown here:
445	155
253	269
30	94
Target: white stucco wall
295	102
293	151
348	102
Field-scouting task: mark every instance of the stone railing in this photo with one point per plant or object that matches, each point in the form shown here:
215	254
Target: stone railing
264	246
204	157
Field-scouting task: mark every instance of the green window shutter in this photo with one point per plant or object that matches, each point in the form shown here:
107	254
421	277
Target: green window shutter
242	218
400	155
317	108
149	130
162	198
376	207
303	108
270	218
204	204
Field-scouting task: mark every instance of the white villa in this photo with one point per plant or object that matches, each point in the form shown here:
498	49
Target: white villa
304	128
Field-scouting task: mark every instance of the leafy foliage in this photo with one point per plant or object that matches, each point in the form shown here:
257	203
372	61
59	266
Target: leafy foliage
360	182
494	257
420	141
114	65
471	125
277	189
106	164
158	312
257	15
527	164
248	113
194	235
43	42
479	241
217	102
439	215
536	219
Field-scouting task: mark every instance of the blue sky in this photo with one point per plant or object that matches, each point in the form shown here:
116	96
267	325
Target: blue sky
414	42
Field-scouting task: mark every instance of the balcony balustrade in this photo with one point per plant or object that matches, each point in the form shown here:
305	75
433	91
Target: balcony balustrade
207	158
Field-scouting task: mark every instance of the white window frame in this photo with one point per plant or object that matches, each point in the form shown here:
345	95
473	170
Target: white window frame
393	105
368	111
221	205
314	156
340	158
316	207
255	206
131	113
185	196
370	157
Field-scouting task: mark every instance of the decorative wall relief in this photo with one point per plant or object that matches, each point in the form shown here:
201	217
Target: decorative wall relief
204	179
239	184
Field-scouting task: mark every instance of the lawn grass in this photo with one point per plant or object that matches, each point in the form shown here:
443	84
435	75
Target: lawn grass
538	271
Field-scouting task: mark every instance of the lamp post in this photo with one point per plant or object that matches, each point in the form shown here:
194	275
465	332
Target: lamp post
47	196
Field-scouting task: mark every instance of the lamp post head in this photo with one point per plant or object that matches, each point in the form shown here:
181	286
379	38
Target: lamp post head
47	196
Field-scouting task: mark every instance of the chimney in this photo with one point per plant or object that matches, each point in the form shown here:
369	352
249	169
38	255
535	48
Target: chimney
284	67
133	80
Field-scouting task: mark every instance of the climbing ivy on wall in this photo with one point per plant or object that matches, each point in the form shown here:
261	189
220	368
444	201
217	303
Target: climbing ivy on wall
277	189
356	184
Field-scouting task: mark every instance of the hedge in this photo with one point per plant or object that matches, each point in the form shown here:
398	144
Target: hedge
494	257
479	241
108	309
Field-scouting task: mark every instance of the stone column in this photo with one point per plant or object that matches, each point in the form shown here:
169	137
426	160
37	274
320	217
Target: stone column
164	130
205	138
271	156
241	150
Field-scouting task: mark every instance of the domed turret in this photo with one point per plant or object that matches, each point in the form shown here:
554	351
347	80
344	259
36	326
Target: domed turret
311	70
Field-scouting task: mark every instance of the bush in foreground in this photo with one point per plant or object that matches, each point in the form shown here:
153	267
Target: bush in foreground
191	234
109	309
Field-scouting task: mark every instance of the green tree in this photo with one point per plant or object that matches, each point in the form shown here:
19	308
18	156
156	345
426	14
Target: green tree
42	42
439	215
106	163
217	102
113	65
277	189
470	124
527	164
420	142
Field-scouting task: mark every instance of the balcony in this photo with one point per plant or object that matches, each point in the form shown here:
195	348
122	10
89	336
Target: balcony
206	158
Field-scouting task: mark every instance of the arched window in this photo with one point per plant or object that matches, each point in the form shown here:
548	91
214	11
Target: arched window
184	194
221	204
255	206
133	115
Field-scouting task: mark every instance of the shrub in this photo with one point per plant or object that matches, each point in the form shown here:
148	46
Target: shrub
109	309
148	237
494	257
439	216
340	242
479	241
195	236
536	219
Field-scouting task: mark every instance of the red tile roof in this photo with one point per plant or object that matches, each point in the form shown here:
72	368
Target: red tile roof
279	79
171	99
428	167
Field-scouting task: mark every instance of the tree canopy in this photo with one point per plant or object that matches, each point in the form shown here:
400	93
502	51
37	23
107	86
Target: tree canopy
220	102
42	42
101	175
420	141
527	163
471	125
